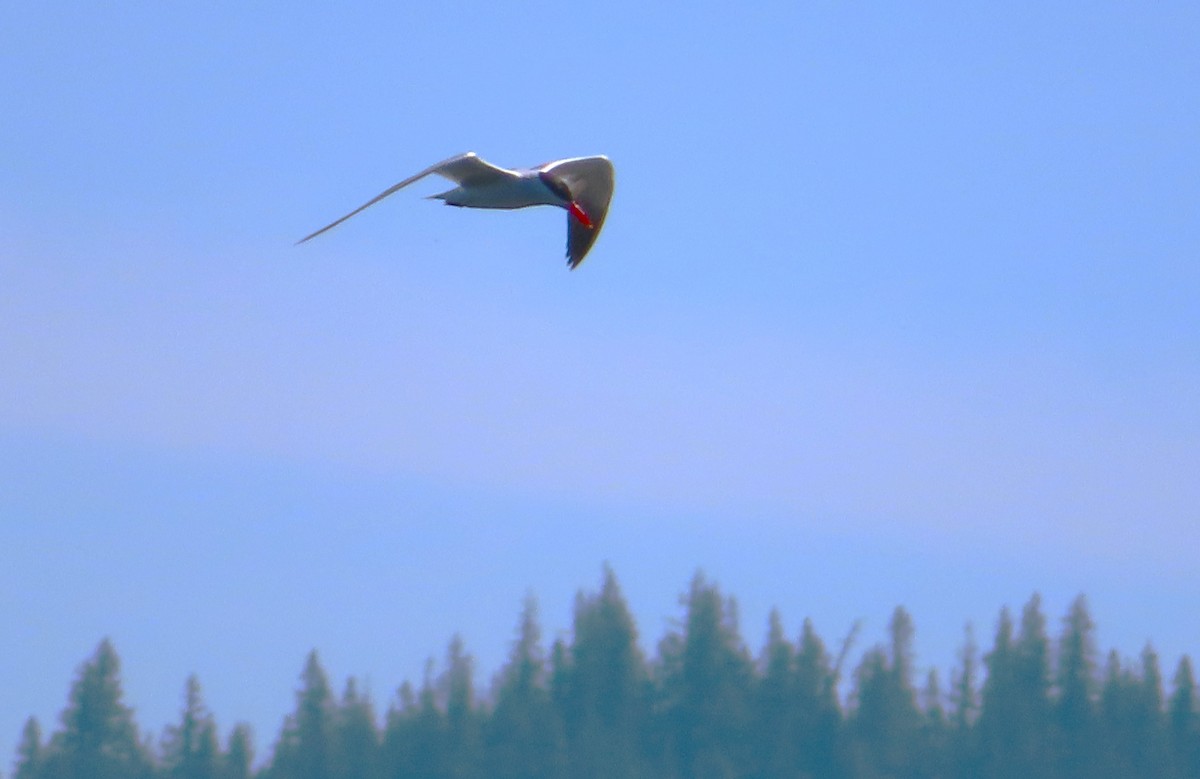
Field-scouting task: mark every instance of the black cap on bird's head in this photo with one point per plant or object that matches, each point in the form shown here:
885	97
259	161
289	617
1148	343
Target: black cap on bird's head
562	191
556	185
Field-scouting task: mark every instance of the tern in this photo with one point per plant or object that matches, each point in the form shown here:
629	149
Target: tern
581	185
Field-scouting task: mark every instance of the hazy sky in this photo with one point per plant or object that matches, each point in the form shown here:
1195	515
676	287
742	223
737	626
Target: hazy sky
894	305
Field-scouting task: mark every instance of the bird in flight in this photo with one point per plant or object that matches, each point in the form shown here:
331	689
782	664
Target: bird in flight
581	185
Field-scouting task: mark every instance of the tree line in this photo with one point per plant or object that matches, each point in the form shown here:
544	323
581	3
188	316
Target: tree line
702	707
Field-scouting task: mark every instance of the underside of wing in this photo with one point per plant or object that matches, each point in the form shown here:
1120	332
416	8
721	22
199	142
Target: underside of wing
463	169
591	181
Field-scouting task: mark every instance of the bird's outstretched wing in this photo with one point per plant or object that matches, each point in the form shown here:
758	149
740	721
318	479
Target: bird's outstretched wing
590	180
463	169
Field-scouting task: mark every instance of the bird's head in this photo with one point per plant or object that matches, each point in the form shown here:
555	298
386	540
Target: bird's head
561	190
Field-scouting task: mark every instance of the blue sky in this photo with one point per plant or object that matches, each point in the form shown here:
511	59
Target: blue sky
894	306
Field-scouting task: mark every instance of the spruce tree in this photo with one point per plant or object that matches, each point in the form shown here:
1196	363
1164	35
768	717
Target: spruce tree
999	706
965	706
190	749
238	758
1031	748
601	687
934	757
357	740
706	689
776	726
463	755
415	733
818	715
523	734
99	739
1075	714
1183	714
30	751
306	745
885	721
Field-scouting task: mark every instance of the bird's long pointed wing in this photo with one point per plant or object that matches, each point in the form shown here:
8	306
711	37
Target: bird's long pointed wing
591	181
463	169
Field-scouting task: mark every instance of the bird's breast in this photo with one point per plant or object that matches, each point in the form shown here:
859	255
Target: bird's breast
516	193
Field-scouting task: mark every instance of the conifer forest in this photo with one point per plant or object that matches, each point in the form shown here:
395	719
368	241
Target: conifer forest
1040	701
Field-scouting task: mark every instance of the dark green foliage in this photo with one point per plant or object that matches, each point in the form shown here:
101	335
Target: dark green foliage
357	740
239	756
524	733
702	708
99	739
601	688
965	706
463	754
1076	715
1183	713
884	722
190	749
30	751
305	749
705	690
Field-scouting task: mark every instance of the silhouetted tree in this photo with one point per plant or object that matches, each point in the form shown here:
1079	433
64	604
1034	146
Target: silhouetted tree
1031	747
414	736
601	687
357	737
999	708
190	749
524	734
463	755
30	751
934	757
818	714
1130	720
705	687
776	727
964	707
1075	713
885	721
99	739
239	754
1184	715
306	746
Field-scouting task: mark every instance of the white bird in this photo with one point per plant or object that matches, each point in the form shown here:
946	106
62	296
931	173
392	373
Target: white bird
581	185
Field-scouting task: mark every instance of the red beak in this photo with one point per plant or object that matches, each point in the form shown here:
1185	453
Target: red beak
580	214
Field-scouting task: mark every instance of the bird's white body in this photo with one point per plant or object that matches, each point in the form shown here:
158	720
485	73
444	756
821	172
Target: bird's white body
581	185
521	191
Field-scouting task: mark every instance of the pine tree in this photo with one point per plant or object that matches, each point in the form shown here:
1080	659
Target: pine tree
999	708
965	706
99	739
818	715
414	737
524	734
600	687
1183	714
1032	752
935	758
1075	713
30	750
1150	725
776	722
306	746
239	754
885	720
463	756
190	749
357	737
706	689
